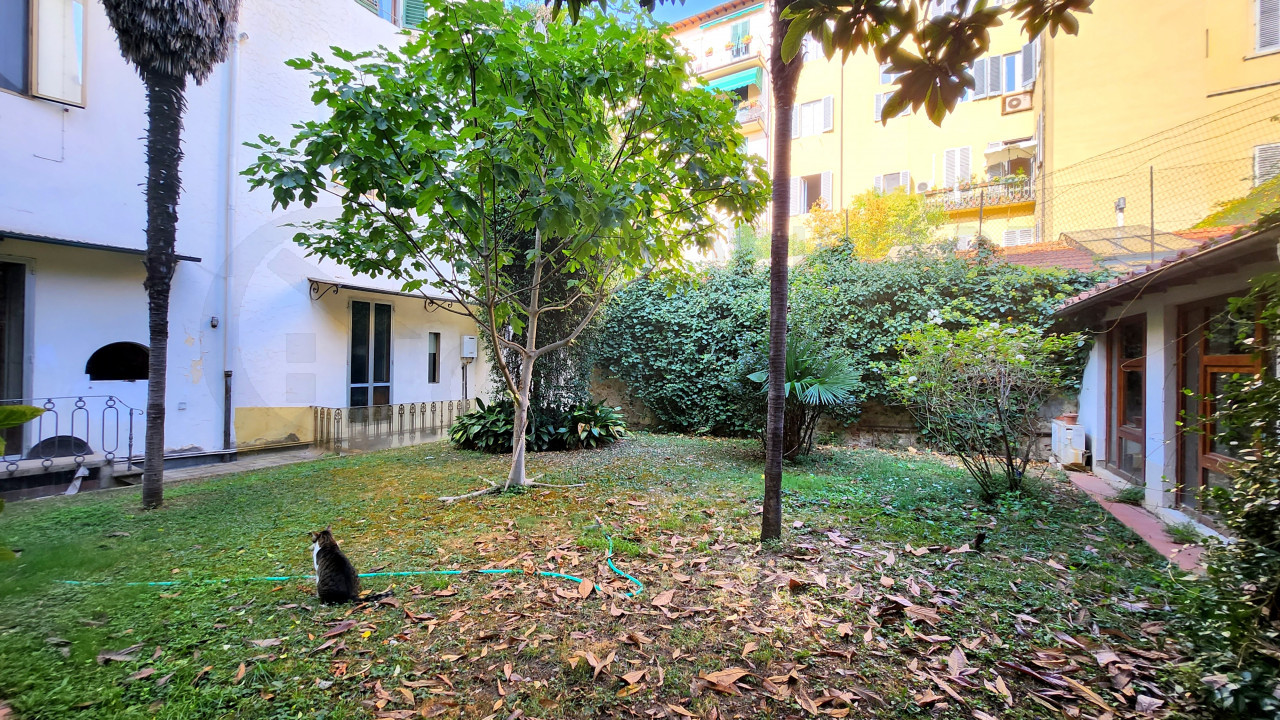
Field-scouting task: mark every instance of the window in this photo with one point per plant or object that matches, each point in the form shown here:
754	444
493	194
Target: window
812	118
887	76
955	167
892	181
737	35
1001	74
1018	236
942	7
433	357
1126	384
881	99
118	361
1266	161
42	49
810	49
405	13
370	354
1268	25
807	190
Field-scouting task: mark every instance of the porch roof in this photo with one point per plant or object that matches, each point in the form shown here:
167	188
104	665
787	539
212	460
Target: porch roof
47	240
1216	256
321	287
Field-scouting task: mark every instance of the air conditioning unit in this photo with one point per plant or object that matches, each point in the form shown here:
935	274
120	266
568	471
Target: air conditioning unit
1017	102
1068	442
922	187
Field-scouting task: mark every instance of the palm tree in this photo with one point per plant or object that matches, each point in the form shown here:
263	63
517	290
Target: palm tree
818	379
167	41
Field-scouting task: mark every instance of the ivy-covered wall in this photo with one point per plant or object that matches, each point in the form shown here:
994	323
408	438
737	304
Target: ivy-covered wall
684	353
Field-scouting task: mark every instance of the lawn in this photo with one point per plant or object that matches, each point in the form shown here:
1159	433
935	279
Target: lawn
875	604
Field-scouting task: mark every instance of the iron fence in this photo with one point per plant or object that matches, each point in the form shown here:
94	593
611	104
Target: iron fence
79	427
344	429
992	194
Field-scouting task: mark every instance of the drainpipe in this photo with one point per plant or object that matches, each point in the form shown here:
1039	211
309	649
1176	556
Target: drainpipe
228	241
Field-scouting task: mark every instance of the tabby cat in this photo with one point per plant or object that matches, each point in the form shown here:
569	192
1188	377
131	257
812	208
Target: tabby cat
336	579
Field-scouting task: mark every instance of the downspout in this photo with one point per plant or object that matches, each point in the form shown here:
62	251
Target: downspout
228	240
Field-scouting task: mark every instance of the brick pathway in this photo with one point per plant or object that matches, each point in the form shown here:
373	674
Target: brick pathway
1149	527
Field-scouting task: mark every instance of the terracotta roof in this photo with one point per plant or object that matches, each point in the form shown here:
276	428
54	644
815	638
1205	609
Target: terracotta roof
1050	255
712	14
1210	233
1214	245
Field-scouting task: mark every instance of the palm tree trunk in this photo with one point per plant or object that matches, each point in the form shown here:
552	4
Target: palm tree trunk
165	105
785	76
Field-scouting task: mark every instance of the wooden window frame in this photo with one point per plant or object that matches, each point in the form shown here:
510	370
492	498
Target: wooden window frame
1116	366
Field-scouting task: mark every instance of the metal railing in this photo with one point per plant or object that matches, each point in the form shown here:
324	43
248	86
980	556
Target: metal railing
992	194
79	427
345	429
749	113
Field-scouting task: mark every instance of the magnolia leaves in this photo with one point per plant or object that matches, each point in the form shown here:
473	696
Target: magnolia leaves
932	55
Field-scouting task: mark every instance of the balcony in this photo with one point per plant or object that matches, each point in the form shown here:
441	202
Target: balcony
752	116
1014	192
716	60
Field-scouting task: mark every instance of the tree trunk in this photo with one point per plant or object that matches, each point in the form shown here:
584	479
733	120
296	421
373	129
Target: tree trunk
165	105
517	478
785	76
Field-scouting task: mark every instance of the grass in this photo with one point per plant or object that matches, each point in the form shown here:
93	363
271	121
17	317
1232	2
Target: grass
1184	533
816	620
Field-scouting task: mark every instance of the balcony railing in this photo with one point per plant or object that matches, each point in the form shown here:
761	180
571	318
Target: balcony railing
751	113
76	429
346	429
990	194
721	55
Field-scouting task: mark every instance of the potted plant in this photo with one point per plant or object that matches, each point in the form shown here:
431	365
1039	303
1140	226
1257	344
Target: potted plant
747	40
709	51
728	45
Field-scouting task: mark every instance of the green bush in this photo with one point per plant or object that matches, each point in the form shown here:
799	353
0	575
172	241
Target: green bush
1132	495
488	428
819	379
1232	615
977	392
686	352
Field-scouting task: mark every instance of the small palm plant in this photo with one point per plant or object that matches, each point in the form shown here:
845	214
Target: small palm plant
818	380
167	41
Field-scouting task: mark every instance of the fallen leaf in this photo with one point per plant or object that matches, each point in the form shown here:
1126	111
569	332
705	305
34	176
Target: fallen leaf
272	642
340	628
663	598
143	673
956	661
679	710
633	677
927	614
584	588
727	676
128	654
239	675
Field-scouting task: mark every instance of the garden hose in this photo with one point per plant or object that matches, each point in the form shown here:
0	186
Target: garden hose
639	586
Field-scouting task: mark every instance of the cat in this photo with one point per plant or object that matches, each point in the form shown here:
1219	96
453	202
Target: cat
336	579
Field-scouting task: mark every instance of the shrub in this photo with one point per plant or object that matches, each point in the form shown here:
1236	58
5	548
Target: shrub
1232	616
1132	495
488	428
818	379
978	391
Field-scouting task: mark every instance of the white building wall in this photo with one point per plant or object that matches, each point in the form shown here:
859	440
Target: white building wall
77	173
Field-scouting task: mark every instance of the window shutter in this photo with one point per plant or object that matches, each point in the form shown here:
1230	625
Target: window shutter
414	13
795	121
879	105
797	195
1029	64
739	31
994	67
1266	163
826	189
962	164
879	183
828	113
904	180
949	168
980	78
1268	24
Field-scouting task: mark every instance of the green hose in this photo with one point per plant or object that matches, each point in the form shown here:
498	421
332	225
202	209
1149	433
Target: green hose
406	573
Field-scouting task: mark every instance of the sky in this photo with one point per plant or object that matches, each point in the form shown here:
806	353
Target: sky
670	11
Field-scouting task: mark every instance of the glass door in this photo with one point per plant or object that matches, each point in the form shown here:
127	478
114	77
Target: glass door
1128	384
370	354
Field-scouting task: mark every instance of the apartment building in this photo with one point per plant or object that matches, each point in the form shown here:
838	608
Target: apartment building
260	334
1111	141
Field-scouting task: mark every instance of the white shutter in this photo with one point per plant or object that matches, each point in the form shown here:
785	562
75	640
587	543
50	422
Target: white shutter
995	86
828	113
949	168
826	189
880	105
795	121
879	183
1268	24
1266	163
1018	236
797	195
1029	64
980	78
962	164
904	179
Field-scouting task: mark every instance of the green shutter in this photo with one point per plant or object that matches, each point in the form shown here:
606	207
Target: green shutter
739	31
370	5
414	13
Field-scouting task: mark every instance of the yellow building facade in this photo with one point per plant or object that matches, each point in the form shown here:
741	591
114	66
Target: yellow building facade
1164	103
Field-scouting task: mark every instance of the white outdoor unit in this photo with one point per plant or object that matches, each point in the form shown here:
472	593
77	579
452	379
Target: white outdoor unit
1068	442
469	346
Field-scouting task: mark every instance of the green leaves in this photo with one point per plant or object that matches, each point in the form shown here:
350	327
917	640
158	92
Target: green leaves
13	416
